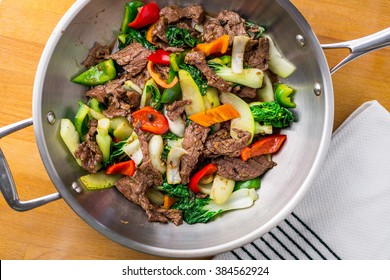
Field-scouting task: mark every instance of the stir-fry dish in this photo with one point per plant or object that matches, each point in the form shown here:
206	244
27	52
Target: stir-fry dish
183	114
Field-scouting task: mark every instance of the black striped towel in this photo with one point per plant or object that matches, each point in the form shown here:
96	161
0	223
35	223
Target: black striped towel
346	213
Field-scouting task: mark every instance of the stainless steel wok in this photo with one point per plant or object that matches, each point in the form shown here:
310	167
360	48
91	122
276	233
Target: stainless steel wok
55	97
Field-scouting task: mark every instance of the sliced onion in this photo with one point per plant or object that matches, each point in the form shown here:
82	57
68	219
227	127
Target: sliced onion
173	165
156	147
239	44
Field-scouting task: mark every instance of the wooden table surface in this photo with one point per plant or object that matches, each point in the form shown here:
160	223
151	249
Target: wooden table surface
54	231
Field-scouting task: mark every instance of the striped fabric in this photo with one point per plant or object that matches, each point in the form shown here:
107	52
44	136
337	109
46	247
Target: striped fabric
346	213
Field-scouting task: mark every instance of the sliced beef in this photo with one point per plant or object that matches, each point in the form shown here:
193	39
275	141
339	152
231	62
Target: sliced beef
134	188
198	59
212	29
168	48
244	92
88	151
162	70
258	57
239	170
233	24
140	79
194	138
222	144
159	29
133	58
174	215
196	13
97	54
171	13
176	109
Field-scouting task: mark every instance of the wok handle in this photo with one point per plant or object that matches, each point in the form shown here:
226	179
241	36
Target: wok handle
7	184
361	46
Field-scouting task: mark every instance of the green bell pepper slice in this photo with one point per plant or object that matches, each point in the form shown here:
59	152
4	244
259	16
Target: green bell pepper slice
283	95
81	120
98	74
172	94
131	11
254	183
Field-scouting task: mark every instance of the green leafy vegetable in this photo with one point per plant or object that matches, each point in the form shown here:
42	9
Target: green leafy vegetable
254	30
180	37
117	153
135	35
271	113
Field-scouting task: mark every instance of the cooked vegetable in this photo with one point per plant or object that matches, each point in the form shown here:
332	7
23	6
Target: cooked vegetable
156	147
217	46
204	172
130	86
221	189
197	76
156	77
203	210
263	128
131	11
190	91
254	183
137	35
103	139
98	74
151	95
147	14
125	168
266	92
95	105
99	180
271	113
173	165
152	120
211	98
172	94
134	151
215	115
277	63
180	37
268	145
160	57
283	94
239	44
250	77
176	60
149	34
81	120
70	137
168	201
255	30
245	121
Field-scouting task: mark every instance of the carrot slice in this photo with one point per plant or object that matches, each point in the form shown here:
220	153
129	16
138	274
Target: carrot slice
215	115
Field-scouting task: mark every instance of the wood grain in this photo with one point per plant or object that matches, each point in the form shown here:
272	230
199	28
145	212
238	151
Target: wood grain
54	231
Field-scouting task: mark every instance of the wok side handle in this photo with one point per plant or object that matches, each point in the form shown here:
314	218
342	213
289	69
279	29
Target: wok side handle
7	184
361	46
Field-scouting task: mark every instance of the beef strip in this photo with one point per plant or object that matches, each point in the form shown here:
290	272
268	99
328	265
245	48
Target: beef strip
196	13
194	138
134	188
212	29
258	57
222	144
198	59
174	215
171	14
176	109
233	24
88	151
159	29
97	54
133	58
239	170
244	92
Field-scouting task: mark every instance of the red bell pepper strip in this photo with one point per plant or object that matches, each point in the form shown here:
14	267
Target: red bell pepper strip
147	14
125	168
151	120
205	171
160	57
267	145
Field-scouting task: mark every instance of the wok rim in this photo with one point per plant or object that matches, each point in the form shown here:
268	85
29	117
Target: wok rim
39	117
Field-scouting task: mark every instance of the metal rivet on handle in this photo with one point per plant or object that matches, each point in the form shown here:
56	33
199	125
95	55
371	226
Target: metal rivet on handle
51	118
300	40
317	89
76	187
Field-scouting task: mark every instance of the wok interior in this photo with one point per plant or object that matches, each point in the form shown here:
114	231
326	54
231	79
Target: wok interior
113	215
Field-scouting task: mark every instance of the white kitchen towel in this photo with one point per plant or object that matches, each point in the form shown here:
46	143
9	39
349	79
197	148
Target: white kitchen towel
346	213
